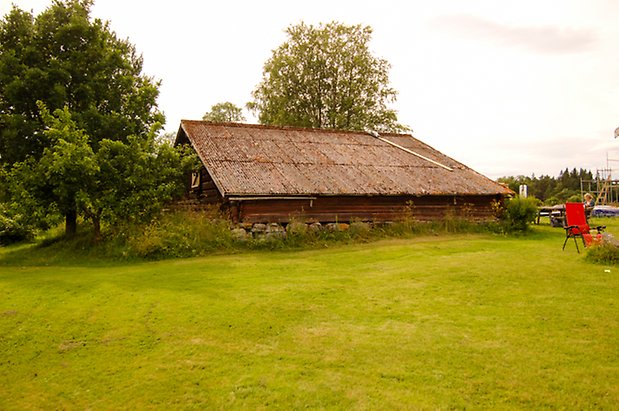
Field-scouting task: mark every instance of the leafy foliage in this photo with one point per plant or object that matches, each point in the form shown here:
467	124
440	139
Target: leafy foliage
518	213
604	253
65	166
63	58
116	181
326	77
75	67
225	113
14	227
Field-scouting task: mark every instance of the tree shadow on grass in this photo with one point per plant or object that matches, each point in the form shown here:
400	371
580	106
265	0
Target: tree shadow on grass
60	251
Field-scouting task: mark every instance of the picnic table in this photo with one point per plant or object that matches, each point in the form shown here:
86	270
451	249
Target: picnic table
555	213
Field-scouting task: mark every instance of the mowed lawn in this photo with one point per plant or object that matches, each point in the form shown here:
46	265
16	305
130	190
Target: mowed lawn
437	322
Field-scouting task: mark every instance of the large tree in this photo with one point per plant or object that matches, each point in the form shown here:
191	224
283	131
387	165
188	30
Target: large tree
114	181
224	113
326	77
64	58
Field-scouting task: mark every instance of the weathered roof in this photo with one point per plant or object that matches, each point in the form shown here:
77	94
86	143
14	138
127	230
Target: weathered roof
255	160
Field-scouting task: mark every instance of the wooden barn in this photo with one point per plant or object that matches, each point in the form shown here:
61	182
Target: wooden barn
275	174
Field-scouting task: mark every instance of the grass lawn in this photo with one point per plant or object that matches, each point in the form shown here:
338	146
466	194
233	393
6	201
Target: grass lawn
475	321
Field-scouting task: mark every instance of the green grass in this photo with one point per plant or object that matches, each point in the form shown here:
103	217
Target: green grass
435	322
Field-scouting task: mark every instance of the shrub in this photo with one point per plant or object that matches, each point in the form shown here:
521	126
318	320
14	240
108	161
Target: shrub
179	234
518	213
14	227
575	198
360	230
297	233
149	244
606	252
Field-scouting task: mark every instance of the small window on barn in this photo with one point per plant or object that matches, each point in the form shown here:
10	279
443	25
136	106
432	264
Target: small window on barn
195	179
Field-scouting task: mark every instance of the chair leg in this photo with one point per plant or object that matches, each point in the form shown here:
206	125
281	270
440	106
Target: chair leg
576	243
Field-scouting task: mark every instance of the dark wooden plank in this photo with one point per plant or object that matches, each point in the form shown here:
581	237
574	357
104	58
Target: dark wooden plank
343	209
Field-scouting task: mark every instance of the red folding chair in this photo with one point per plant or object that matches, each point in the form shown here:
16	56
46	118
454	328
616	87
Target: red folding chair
576	225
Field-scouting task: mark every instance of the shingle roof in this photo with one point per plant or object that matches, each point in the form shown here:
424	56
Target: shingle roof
254	160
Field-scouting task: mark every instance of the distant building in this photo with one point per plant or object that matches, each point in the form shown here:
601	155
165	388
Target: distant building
277	174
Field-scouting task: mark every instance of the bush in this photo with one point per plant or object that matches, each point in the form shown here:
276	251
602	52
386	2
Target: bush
576	198
606	252
360	230
518	213
178	234
297	233
13	227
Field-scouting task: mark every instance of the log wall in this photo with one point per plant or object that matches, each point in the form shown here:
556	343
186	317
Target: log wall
345	209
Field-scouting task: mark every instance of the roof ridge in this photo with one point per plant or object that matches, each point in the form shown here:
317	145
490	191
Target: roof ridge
289	128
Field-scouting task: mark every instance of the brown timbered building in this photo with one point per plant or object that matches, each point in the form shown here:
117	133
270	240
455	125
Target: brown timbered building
276	174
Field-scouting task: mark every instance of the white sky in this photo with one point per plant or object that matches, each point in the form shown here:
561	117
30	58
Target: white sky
506	87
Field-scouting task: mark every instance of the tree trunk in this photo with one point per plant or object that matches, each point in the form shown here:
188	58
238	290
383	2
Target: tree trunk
95	217
96	227
71	223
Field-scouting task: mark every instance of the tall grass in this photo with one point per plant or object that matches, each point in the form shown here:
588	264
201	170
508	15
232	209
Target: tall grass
183	234
176	234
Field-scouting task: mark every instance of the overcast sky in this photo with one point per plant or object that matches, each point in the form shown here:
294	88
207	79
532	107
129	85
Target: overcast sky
506	87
